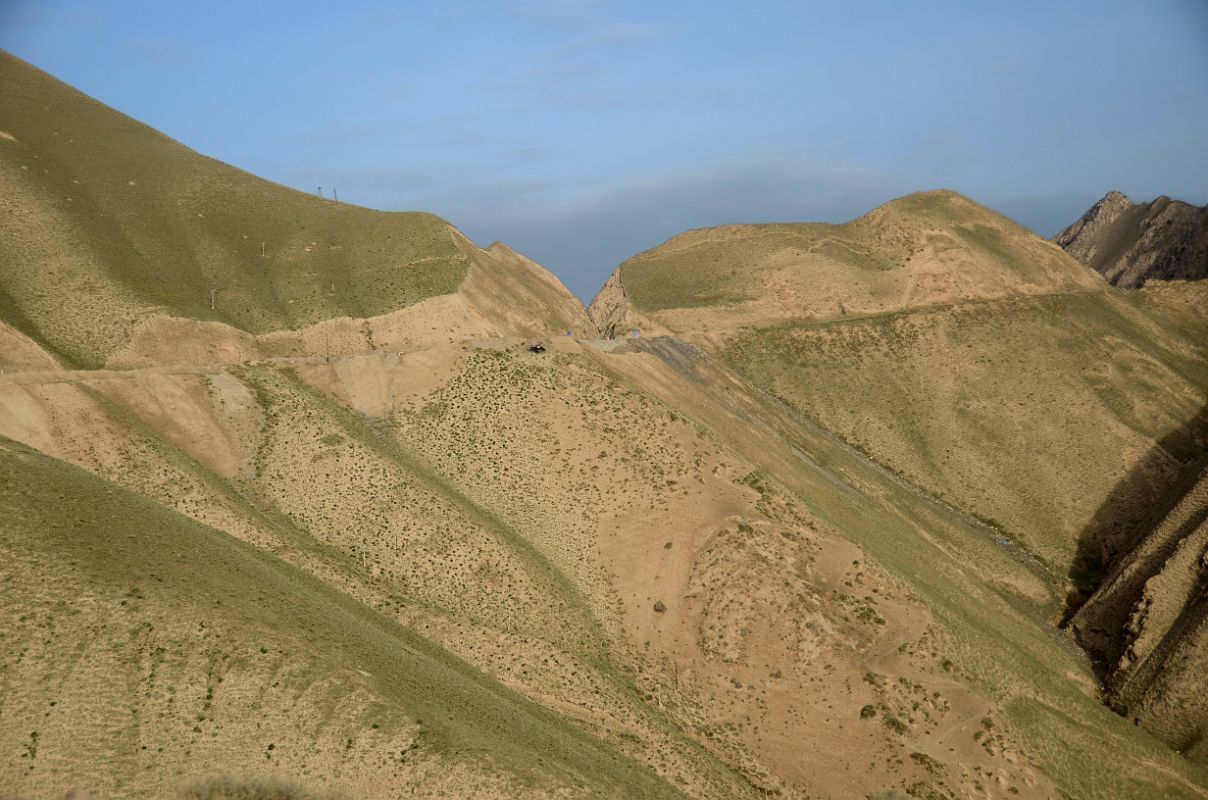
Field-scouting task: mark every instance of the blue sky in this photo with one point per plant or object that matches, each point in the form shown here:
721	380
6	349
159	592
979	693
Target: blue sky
584	131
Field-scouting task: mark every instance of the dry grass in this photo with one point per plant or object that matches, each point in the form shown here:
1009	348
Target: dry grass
226	787
927	249
1017	411
434	567
118	221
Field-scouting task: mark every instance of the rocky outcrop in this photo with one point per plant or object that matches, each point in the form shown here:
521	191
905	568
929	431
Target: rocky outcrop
1148	626
610	307
1132	243
1079	239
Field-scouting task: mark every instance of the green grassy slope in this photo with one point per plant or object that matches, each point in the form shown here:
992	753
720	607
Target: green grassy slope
886	259
97	557
106	219
721	274
956	348
341	497
992	605
1017	411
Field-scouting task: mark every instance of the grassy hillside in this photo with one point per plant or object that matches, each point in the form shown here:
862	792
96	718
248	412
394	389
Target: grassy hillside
925	249
961	351
142	645
1018	411
792	553
525	513
107	220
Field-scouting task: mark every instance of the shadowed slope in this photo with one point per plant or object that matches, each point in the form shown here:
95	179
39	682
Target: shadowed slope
1133	243
1147	623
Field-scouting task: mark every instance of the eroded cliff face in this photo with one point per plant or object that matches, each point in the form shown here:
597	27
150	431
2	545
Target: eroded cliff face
613	314
1132	243
1148	624
609	307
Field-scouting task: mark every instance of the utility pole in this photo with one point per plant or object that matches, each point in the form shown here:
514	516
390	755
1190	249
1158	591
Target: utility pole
320	191
262	253
212	291
335	194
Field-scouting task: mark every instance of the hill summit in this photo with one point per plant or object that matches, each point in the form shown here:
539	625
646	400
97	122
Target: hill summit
929	248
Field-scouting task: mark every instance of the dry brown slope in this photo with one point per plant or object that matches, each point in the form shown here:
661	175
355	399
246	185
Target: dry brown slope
986	605
960	350
1024	412
1047	407
549	486
516	508
141	647
263	454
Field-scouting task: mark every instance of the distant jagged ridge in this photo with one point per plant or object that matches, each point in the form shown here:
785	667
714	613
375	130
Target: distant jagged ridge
1132	243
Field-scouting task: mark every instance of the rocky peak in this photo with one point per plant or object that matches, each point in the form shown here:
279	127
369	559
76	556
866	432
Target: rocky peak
1100	216
1132	243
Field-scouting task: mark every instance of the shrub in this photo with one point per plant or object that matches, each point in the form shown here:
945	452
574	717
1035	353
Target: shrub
895	724
226	787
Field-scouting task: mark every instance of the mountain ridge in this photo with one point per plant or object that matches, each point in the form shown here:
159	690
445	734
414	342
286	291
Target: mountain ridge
1131	243
927	248
120	224
376	542
1034	366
